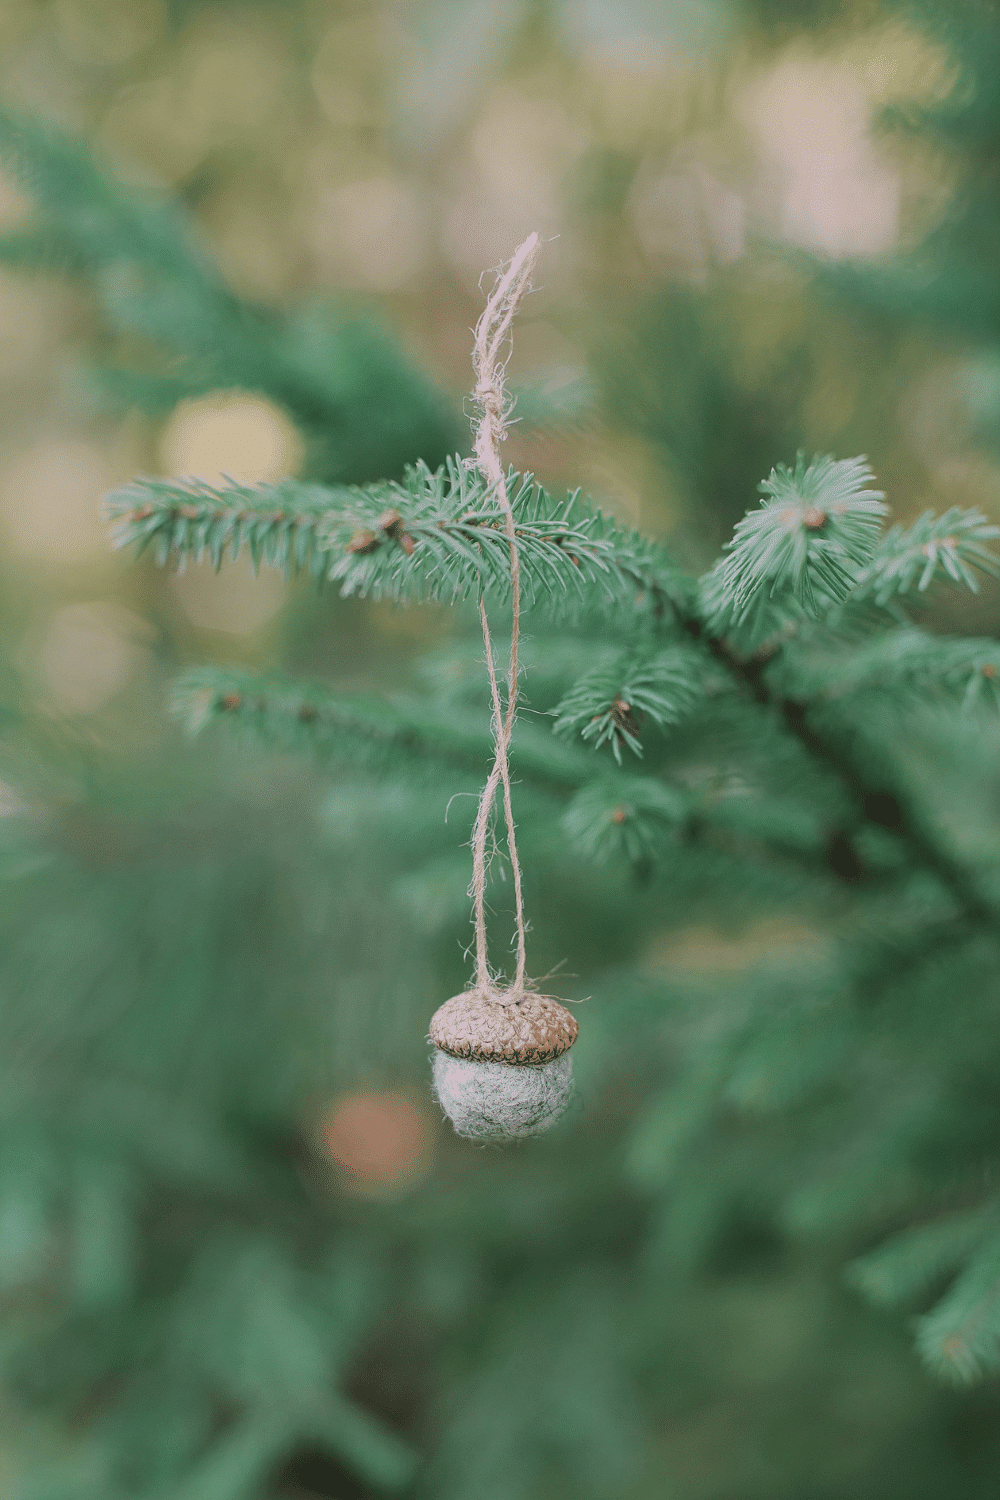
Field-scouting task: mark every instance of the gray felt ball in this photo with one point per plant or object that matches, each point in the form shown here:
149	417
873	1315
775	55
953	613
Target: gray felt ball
497	1101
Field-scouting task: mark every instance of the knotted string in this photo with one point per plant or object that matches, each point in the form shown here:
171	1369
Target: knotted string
492	332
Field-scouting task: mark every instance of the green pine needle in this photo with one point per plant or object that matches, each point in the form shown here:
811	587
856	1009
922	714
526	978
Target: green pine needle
433	536
906	663
625	817
959	1339
608	705
905	1266
807	544
407	735
949	546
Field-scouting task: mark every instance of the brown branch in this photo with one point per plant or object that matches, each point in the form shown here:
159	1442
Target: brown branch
875	801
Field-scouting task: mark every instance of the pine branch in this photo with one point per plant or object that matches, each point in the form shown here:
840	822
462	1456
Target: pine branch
779	576
242	1455
763	625
433	536
135	249
907	663
368	1445
960	1338
803	548
617	815
311	719
864	784
934	547
608	704
282	525
624	817
96	219
906	1265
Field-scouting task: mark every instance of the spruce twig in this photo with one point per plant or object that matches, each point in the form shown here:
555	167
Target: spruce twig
875	801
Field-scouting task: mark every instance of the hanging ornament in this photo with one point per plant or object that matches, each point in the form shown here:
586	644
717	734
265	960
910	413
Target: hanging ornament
502	1068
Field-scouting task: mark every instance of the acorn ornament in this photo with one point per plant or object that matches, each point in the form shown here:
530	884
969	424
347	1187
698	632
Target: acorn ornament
502	1069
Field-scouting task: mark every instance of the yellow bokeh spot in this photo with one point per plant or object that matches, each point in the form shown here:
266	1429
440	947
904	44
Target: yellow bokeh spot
701	949
50	497
89	652
235	601
232	435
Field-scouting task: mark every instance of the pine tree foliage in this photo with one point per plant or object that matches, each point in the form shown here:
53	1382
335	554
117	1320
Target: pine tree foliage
607	818
433	536
815	547
934	547
908	663
404	734
797	556
960	1337
441	540
914	1262
187	1299
947	280
817	528
172	328
609	704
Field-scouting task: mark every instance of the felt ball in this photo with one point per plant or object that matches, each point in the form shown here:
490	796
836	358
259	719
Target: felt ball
499	1101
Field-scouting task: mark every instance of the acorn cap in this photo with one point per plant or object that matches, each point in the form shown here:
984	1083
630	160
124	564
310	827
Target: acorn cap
531	1029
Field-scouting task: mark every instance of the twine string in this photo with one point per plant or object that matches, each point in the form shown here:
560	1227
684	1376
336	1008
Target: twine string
492	332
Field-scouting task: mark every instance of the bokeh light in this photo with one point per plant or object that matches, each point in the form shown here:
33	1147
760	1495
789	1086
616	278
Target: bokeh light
88	653
381	1141
242	437
229	435
51	494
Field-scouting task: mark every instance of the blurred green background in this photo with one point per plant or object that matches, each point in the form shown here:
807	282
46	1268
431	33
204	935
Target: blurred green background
218	965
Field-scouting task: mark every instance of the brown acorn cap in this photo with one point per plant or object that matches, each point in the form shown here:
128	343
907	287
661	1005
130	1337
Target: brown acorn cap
486	1028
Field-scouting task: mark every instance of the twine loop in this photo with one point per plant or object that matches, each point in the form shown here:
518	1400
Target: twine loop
492	332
